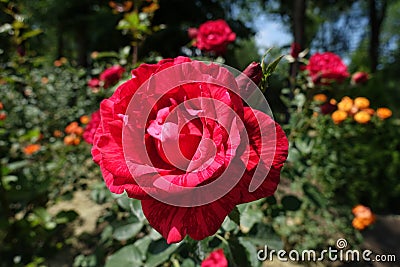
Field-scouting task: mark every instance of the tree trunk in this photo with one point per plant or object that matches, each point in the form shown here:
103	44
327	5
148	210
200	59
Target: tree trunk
377	12
299	15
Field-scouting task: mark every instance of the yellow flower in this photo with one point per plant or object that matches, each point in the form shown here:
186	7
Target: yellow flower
345	104
338	116
362	117
320	98
361	102
383	113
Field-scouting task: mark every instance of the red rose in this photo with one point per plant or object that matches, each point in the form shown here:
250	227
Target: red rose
359	77
215	259
112	75
214	36
91	127
326	68
175	137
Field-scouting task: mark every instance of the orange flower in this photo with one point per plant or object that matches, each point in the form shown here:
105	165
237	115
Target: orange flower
151	8
84	119
370	111
362	117
94	54
345	104
338	116
363	217
126	6
320	98
358	223
333	101
57	133
77	141
71	127
3	116
72	139
79	131
57	63
44	80
32	148
1	106
361	102
383	113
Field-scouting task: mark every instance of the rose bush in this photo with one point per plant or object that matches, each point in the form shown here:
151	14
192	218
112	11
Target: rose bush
213	36
195	135
325	68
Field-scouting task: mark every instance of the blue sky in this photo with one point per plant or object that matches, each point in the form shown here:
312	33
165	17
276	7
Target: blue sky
271	33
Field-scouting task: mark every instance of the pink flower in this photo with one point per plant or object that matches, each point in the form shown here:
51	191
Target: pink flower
192	33
359	77
325	68
94	83
91	127
214	36
215	259
175	131
112	75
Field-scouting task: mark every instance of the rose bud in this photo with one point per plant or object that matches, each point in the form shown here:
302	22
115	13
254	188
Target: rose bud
255	73
192	33
359	77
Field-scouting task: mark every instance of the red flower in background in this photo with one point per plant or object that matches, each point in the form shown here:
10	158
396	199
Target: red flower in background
359	77
295	50
91	127
183	152
325	68
94	83
214	36
215	259
111	75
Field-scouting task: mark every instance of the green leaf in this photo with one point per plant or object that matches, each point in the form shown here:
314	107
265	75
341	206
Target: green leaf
154	260
234	215
238	252
188	263
249	217
143	244
17	165
290	202
251	251
31	34
228	225
272	66
128	231
126	256
124	202
66	216
314	195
